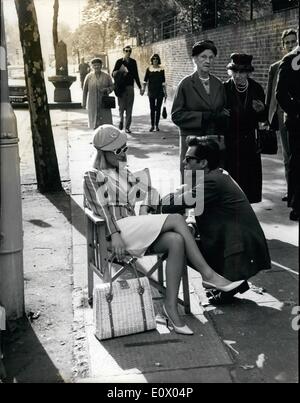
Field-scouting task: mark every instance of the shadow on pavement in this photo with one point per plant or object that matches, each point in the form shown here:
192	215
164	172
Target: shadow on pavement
25	359
69	208
251	324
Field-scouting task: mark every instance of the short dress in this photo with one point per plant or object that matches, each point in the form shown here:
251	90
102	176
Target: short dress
139	232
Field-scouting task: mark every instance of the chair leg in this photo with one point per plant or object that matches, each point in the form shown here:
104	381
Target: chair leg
90	257
186	291
160	273
103	253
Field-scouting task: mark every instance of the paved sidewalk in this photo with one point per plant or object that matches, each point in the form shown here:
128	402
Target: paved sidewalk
250	341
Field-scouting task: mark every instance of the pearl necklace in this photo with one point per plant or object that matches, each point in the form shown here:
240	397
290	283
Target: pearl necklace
203	79
242	88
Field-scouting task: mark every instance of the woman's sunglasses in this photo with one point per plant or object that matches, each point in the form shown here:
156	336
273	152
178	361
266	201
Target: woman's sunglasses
121	150
188	159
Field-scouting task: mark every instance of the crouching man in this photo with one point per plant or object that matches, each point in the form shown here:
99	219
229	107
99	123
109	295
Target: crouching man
231	238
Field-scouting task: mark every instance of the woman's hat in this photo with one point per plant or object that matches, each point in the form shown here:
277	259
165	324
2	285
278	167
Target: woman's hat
240	62
201	46
108	138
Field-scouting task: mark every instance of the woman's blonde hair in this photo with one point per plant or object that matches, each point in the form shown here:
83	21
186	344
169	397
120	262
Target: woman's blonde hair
99	160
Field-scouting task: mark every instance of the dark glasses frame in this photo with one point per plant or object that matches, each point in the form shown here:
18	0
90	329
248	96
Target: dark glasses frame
123	149
190	157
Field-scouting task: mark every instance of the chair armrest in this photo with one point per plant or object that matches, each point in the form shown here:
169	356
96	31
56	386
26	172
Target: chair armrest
93	217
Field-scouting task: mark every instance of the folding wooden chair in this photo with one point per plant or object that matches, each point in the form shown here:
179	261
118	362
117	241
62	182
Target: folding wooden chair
98	258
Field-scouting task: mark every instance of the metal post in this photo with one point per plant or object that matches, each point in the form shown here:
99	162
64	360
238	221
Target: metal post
251	10
11	233
216	13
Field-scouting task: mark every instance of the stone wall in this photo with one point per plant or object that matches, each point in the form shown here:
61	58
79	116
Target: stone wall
260	37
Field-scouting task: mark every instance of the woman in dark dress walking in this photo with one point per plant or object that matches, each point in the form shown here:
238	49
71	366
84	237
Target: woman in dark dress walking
155	78
245	100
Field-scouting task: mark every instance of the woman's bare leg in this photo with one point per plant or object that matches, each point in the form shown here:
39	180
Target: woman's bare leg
176	223
173	244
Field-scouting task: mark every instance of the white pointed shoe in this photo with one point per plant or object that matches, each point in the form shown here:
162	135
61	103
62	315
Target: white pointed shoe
178	329
237	286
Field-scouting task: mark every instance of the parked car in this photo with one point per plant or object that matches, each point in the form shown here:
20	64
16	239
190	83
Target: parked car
16	84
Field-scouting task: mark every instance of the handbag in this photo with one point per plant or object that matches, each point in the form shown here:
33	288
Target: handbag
108	102
123	307
266	141
164	113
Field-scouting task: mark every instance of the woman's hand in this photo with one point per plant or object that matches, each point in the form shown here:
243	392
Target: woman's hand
258	106
144	210
118	246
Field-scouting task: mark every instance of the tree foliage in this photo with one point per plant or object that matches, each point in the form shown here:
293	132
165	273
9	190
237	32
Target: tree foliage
111	22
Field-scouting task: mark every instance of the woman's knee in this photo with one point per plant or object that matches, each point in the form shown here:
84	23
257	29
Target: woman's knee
174	240
178	220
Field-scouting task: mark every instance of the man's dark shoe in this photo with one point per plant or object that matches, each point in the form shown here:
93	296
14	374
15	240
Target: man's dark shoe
294	215
127	131
121	125
217	297
220	298
285	198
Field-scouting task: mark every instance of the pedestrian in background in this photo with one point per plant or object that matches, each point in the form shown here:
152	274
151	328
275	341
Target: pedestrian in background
246	103
275	112
198	106
125	73
84	69
155	78
96	84
288	96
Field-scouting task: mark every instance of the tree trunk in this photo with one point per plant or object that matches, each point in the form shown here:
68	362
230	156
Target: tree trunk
47	172
54	31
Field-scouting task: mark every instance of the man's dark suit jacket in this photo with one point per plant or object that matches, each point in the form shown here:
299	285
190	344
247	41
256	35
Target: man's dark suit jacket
123	80
288	85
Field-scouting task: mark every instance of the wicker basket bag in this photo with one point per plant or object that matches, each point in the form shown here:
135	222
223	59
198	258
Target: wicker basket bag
123	307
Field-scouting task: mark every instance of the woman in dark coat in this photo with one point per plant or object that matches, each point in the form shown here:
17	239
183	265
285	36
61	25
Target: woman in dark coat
198	106
245	101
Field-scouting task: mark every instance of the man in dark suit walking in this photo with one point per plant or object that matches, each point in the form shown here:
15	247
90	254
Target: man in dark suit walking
125	73
275	113
288	97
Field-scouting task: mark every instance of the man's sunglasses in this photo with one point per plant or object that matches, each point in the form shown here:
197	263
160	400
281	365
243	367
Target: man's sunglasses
127	51
189	158
120	150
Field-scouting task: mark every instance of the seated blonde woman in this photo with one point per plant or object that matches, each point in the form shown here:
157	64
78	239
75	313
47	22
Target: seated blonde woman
111	192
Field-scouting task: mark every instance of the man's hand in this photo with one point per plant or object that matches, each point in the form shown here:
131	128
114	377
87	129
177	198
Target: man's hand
118	246
258	106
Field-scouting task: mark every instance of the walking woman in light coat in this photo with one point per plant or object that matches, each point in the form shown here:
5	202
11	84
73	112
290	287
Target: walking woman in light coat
96	84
